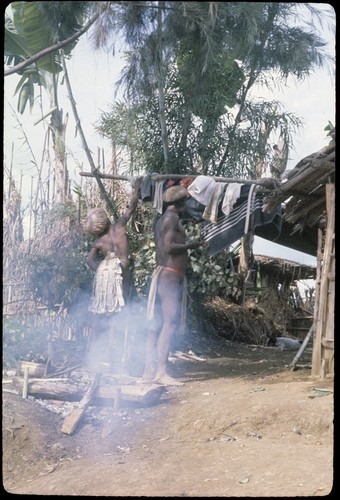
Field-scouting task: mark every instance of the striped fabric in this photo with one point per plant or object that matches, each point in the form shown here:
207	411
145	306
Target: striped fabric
245	216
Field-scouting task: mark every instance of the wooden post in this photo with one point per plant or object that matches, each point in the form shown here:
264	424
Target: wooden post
325	323
117	398
302	348
25	384
316	347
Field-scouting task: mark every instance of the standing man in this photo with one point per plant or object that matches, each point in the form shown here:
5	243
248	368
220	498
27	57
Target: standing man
168	286
112	280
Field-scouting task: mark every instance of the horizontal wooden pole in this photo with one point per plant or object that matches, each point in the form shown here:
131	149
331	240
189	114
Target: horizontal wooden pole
158	177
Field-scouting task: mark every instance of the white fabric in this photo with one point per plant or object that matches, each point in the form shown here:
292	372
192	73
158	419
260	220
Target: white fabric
158	196
211	210
202	189
231	195
107	293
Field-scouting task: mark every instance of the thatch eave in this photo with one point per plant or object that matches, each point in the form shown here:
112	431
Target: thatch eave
285	268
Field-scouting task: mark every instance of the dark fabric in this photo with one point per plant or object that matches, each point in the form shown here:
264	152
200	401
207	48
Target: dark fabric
193	210
147	188
231	228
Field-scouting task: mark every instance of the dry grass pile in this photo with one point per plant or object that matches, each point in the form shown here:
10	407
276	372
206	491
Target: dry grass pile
248	323
56	235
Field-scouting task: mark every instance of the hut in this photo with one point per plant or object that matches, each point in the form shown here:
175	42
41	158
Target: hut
273	284
308	194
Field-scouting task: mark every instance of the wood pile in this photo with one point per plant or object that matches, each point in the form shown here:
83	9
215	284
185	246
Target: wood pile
83	389
248	323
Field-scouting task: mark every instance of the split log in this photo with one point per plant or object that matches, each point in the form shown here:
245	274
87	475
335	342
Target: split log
46	389
71	421
144	394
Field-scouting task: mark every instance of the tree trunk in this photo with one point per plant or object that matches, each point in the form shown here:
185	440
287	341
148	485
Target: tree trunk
160	85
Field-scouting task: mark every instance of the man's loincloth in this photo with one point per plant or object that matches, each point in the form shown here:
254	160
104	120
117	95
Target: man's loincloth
107	292
153	294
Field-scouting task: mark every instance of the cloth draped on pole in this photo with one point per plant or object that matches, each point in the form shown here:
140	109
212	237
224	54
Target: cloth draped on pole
246	215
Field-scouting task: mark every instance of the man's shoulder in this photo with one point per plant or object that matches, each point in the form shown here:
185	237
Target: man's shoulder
168	219
170	214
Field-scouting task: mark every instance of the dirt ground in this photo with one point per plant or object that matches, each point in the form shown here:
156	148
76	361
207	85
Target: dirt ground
242	425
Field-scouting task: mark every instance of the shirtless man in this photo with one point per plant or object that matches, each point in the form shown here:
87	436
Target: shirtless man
113	244
168	286
111	286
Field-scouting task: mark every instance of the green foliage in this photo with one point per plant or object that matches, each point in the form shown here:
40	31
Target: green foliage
35	26
144	263
58	276
208	277
208	94
206	59
20	336
142	249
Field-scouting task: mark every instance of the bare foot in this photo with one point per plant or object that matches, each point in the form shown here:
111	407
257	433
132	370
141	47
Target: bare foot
167	380
149	373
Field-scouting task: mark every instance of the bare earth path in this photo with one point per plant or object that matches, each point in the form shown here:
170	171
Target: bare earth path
242	425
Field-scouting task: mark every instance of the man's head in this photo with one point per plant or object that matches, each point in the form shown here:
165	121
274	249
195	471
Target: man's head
96	221
176	196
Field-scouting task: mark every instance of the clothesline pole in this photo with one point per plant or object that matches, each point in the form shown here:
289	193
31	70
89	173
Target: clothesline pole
158	177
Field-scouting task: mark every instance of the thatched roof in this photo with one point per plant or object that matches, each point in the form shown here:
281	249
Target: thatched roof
285	268
303	193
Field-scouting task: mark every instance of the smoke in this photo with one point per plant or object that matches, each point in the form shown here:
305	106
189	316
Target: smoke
117	342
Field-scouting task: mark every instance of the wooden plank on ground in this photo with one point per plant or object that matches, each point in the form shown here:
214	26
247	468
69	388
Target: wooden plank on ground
71	421
144	393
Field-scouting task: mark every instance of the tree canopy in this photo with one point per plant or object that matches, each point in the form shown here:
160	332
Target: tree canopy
191	69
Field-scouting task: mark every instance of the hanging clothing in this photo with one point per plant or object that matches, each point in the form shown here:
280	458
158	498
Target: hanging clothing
158	196
193	210
202	189
246	215
107	292
231	195
146	188
211	210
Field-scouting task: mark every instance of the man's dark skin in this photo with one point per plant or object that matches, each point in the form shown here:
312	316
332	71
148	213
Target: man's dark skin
114	239
171	252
